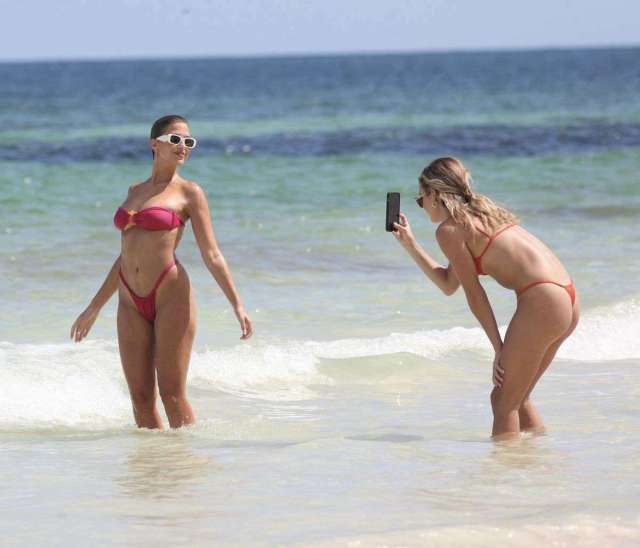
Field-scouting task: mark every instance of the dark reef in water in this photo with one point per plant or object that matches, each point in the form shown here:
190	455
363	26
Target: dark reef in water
496	140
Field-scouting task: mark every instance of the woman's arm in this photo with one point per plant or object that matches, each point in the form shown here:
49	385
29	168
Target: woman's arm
81	327
198	209
452	244
444	277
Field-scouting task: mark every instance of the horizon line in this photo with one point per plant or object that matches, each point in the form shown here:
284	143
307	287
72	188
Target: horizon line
317	54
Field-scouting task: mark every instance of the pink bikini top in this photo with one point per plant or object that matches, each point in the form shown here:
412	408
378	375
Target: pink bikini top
149	218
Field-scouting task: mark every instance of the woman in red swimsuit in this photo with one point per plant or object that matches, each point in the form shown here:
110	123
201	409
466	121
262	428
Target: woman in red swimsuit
478	237
156	309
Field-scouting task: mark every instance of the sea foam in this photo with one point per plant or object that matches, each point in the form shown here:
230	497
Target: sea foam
49	385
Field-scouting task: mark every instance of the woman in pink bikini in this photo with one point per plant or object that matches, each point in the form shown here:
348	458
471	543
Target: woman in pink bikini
478	237
156	309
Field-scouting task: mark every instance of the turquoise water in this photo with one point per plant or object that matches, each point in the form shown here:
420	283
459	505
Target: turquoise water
359	412
304	238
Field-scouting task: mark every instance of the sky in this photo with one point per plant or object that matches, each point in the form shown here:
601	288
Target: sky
111	29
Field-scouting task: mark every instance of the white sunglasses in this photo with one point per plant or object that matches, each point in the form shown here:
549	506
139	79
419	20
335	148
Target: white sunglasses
174	139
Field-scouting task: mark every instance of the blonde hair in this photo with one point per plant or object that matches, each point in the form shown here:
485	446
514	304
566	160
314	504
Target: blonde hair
452	183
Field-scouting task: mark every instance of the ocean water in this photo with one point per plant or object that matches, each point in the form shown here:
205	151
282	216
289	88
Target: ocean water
358	415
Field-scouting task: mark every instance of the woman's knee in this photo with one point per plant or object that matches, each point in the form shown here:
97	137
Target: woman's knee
172	395
143	398
502	403
525	404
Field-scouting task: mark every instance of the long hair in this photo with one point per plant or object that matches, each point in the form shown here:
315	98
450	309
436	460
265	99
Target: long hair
452	183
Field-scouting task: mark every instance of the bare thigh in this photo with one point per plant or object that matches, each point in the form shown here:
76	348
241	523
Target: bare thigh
174	330
551	351
135	340
543	315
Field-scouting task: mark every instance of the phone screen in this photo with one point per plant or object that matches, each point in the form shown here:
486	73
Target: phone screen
393	210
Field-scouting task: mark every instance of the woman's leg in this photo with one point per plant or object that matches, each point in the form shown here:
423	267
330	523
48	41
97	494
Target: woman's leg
543	315
529	417
174	326
135	339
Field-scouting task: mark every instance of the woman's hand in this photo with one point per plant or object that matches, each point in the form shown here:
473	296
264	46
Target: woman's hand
81	327
245	323
402	231
498	371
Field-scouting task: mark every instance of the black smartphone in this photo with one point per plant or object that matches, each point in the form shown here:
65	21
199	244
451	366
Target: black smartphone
393	210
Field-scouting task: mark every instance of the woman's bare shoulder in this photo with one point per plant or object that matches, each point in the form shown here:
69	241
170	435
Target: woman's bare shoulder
191	190
194	196
135	186
450	230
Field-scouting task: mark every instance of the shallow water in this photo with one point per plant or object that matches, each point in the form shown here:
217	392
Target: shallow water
384	449
358	415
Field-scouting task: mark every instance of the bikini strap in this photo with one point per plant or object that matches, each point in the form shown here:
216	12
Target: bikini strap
155	287
482	232
124	281
489	240
502	230
495	234
161	277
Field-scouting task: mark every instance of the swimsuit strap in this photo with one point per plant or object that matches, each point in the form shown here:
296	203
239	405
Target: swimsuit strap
491	238
569	288
124	281
161	277
155	287
483	232
502	230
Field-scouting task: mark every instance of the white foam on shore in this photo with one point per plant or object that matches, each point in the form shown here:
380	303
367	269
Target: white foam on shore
607	333
50	385
584	531
604	334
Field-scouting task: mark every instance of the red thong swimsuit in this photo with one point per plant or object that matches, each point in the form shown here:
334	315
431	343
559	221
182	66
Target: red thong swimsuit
150	218
570	289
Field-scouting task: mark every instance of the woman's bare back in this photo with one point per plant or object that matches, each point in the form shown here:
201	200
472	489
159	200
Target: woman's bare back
515	258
